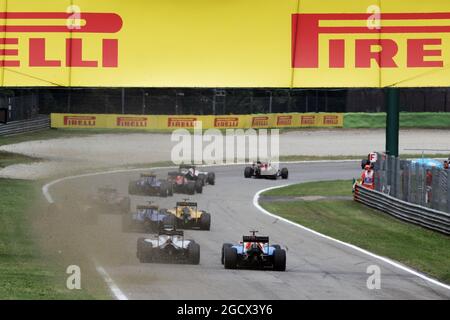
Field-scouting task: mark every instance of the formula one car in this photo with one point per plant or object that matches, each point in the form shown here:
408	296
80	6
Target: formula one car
108	200
147	218
149	185
189	217
265	170
180	183
168	246
191	172
254	252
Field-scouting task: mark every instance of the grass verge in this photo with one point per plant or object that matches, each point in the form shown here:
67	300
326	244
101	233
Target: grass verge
430	120
372	230
25	272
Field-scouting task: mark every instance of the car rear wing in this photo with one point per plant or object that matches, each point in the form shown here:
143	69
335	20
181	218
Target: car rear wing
148	175
255	239
172	232
186	204
140	207
186	166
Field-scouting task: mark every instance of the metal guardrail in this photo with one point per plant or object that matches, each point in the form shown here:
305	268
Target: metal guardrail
22	126
425	217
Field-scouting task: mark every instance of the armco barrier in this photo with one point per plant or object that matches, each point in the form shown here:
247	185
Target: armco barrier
171	122
425	217
22	126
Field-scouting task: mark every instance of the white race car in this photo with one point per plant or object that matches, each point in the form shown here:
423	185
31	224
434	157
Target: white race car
265	170
168	246
192	173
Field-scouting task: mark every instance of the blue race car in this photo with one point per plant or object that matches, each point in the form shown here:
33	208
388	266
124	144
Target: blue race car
254	252
149	185
147	219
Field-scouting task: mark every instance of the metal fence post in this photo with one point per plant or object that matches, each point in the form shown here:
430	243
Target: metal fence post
397	177
417	193
448	191
423	186
378	172
409	175
388	171
435	194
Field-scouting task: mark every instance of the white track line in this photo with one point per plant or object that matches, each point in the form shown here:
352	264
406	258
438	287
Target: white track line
118	294
386	260
115	290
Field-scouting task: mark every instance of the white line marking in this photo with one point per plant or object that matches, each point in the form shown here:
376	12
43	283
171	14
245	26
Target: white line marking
386	260
118	294
115	290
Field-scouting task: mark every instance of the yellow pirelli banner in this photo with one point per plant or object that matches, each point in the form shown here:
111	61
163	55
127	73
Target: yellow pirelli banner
172	122
239	43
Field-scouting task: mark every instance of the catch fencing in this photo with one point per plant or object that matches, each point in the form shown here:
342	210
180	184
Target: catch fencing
413	182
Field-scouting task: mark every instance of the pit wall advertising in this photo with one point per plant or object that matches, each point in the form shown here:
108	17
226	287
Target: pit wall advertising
172	122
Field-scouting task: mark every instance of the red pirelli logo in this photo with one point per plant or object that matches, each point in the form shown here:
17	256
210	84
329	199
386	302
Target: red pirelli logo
181	122
260	121
331	120
284	120
132	122
106	24
80	121
226	122
307	120
422	52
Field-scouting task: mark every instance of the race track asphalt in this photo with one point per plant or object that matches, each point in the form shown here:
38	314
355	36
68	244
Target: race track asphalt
317	268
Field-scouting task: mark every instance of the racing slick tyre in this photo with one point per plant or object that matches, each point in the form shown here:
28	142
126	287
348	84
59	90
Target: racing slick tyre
211	178
170	189
276	246
170	220
230	258
149	226
279	260
248	172
284	173
190	188
143	251
132	188
202	178
164	190
199	186
194	253
205	221
222	257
